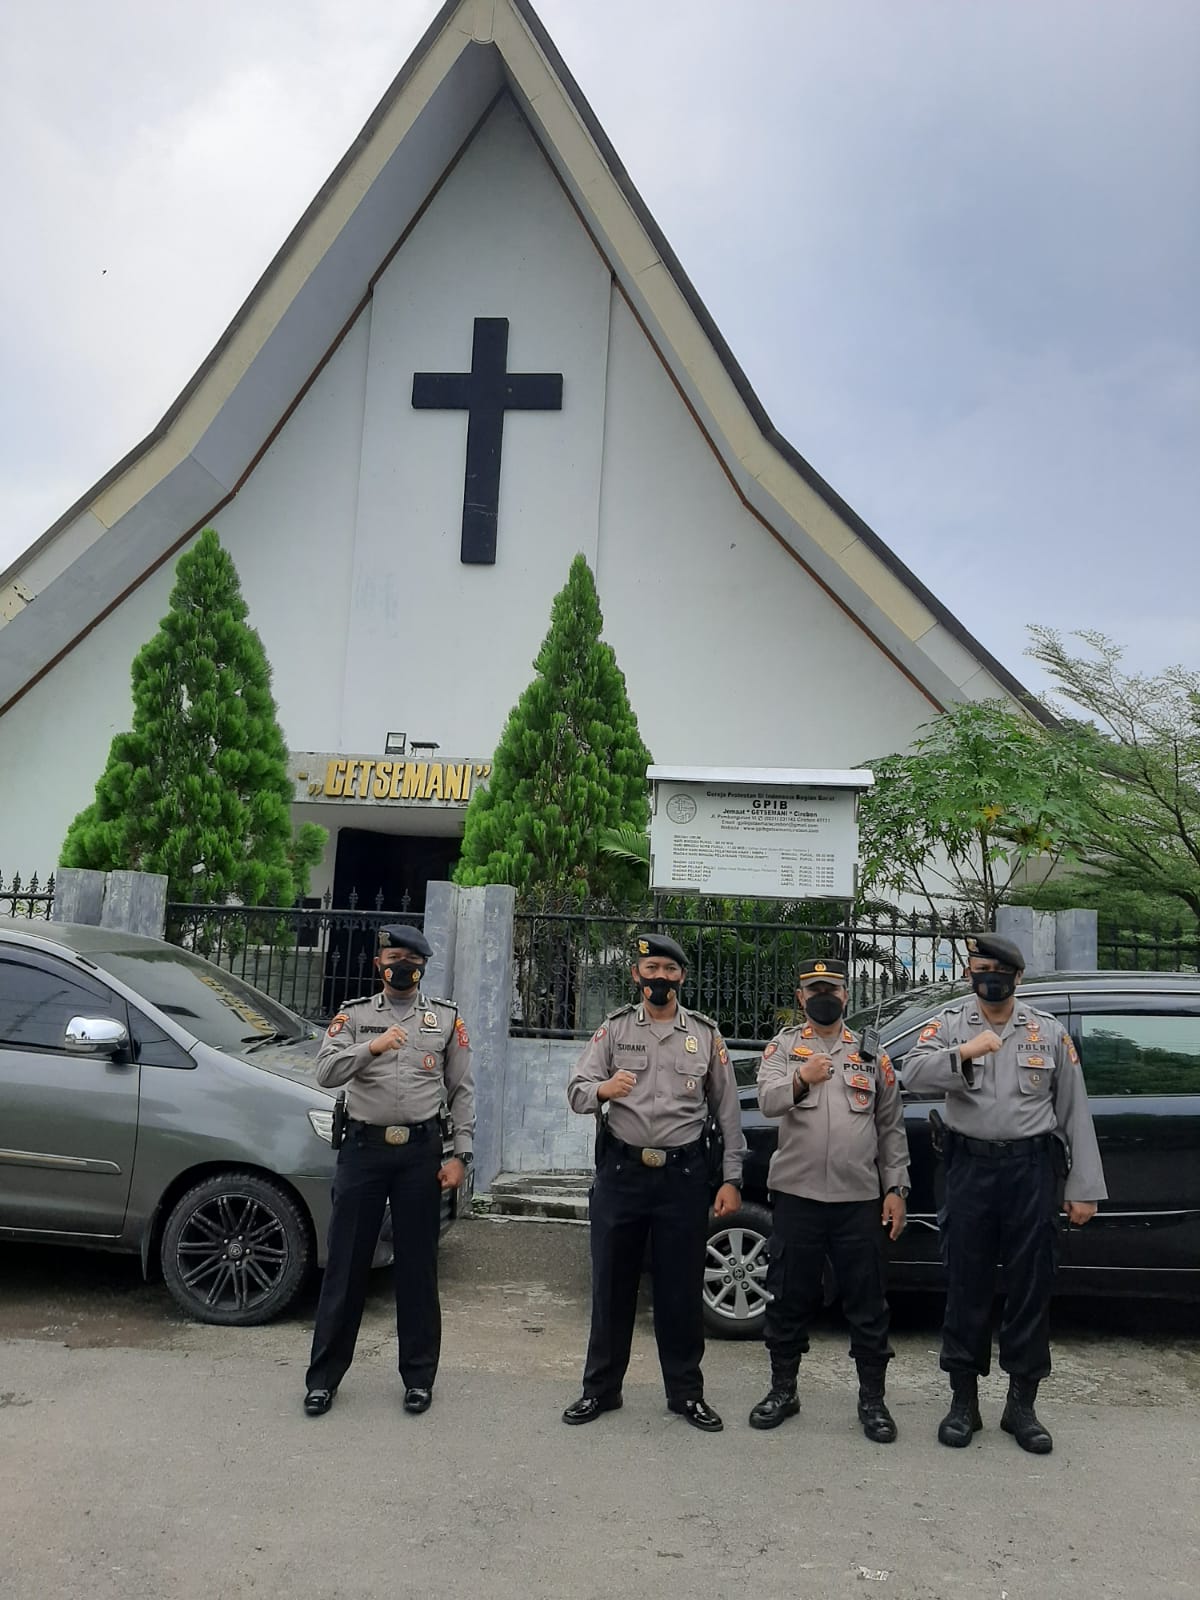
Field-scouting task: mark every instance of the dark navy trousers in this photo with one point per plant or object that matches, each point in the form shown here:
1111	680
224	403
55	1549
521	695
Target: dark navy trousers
668	1206
999	1210
368	1176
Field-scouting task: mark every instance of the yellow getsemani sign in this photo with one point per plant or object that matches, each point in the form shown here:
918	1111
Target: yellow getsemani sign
364	778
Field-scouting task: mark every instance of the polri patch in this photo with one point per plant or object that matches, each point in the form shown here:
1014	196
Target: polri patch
461	1034
429	1063
336	1026
770	1050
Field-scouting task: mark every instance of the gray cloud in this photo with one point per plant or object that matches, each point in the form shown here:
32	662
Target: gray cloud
954	247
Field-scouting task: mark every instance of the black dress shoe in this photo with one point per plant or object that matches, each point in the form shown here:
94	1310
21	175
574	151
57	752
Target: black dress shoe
775	1407
589	1406
417	1400
318	1401
699	1413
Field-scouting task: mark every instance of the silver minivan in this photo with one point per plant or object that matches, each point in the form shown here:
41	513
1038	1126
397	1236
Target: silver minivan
151	1102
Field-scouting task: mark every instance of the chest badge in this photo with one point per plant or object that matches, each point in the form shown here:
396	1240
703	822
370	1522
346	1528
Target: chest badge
1035	1077
691	1083
429	1020
861	1097
1035	1061
690	1045
429	1063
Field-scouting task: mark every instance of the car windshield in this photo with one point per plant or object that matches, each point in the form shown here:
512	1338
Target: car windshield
218	1008
893	1014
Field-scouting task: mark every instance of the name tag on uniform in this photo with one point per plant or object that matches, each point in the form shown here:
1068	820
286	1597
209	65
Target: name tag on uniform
372	1030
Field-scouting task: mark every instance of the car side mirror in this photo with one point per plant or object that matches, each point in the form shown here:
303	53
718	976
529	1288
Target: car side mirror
96	1036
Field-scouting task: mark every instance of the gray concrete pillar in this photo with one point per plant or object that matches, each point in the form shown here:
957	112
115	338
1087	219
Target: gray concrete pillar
1033	931
136	902
1076	941
483	986
441	929
78	896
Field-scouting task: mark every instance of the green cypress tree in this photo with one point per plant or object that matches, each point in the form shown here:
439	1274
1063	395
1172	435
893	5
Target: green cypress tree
570	764
199	788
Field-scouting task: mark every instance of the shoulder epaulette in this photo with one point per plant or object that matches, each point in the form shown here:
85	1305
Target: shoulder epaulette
709	1022
620	1011
436	1000
1048	1016
363	1000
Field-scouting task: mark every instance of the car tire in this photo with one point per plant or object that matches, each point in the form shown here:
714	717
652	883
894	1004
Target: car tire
236	1250
735	1273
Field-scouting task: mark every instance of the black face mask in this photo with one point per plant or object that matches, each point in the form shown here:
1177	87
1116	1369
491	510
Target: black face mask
823	1009
994	987
402	974
660	991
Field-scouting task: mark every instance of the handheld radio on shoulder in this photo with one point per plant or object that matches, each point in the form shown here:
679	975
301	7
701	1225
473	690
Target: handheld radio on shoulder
869	1048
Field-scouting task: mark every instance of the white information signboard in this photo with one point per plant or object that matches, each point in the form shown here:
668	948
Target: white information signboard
765	833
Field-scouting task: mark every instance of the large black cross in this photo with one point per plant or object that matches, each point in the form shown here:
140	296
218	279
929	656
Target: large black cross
485	394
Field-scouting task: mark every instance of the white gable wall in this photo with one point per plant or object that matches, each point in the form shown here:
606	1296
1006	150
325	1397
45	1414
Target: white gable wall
347	536
710	616
499	240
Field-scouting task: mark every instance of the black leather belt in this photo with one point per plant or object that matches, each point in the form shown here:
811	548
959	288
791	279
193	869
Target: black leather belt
394	1133
656	1155
1003	1149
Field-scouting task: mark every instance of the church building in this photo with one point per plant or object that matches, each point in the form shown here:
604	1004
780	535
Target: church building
475	356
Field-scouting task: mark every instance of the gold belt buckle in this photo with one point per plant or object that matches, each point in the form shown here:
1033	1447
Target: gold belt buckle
396	1134
654	1158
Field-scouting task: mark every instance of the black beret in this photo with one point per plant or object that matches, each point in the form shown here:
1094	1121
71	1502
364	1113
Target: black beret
399	936
996	949
657	944
824	970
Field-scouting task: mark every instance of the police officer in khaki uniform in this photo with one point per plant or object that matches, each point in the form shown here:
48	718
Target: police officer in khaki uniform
660	1070
841	1148
1016	1117
402	1056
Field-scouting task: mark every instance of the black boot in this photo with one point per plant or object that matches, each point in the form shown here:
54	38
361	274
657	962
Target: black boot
962	1419
873	1413
781	1400
1021	1420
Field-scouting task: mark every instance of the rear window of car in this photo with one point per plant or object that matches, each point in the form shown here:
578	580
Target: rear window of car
1140	1053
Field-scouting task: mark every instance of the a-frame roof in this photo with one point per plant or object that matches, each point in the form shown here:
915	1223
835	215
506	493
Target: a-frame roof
142	511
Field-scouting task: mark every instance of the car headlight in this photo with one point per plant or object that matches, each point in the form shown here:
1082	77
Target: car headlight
322	1125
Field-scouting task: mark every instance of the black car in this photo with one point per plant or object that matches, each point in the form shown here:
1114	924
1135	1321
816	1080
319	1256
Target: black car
1138	1034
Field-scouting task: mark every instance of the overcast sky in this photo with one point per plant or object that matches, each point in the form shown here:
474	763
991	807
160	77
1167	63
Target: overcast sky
955	244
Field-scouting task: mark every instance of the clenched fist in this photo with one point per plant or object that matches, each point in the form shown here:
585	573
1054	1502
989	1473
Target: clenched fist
983	1044
815	1070
391	1040
616	1087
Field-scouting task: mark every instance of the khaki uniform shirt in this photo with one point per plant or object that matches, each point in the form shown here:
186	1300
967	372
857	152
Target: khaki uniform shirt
1032	1085
681	1067
430	1069
844	1138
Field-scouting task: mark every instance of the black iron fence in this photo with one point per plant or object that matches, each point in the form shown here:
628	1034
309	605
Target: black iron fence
1175	949
31	899
572	962
312	957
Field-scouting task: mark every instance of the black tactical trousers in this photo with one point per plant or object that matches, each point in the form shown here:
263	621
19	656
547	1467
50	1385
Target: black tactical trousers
999	1209
367	1176
849	1232
669	1205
